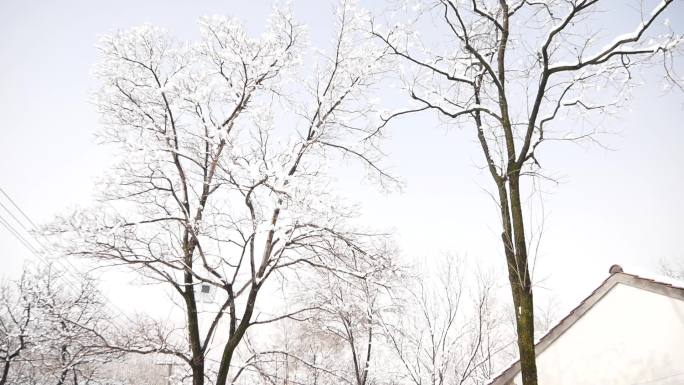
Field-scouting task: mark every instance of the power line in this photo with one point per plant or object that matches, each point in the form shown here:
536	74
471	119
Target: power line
18	236
18	208
35	251
12	215
73	285
33	225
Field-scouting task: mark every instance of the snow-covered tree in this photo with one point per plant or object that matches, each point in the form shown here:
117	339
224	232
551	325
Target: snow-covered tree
225	146
442	326
340	340
449	328
521	74
50	330
15	320
672	268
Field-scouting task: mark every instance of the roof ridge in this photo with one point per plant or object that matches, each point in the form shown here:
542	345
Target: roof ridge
661	280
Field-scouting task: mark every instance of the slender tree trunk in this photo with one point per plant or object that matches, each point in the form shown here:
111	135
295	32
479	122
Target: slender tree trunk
525	316
236	337
514	229
521	284
5	373
62	377
197	364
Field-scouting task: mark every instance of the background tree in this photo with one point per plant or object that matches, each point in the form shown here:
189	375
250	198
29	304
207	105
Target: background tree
441	326
517	72
223	177
340	340
672	268
15	320
348	316
448	329
50	330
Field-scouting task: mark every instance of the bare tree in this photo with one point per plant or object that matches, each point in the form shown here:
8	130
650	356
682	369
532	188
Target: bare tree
339	338
223	181
672	268
349	316
50	329
449	329
15	320
515	71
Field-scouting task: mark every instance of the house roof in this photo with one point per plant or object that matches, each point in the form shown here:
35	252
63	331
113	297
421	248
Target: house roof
661	285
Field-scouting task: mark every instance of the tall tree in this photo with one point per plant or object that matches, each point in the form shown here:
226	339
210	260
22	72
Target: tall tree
223	180
516	71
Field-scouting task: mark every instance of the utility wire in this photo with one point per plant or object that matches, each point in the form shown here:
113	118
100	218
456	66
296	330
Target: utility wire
42	250
37	253
18	236
32	225
17	207
12	214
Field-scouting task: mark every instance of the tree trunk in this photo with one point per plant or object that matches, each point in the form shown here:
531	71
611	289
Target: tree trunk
197	364
5	372
525	323
521	284
234	340
198	372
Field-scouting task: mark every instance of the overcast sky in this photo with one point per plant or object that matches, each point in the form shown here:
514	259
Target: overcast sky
623	206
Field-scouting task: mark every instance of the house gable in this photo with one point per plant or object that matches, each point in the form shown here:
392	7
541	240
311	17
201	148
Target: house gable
622	305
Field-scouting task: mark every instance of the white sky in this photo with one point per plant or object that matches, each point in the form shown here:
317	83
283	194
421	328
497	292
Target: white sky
621	206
